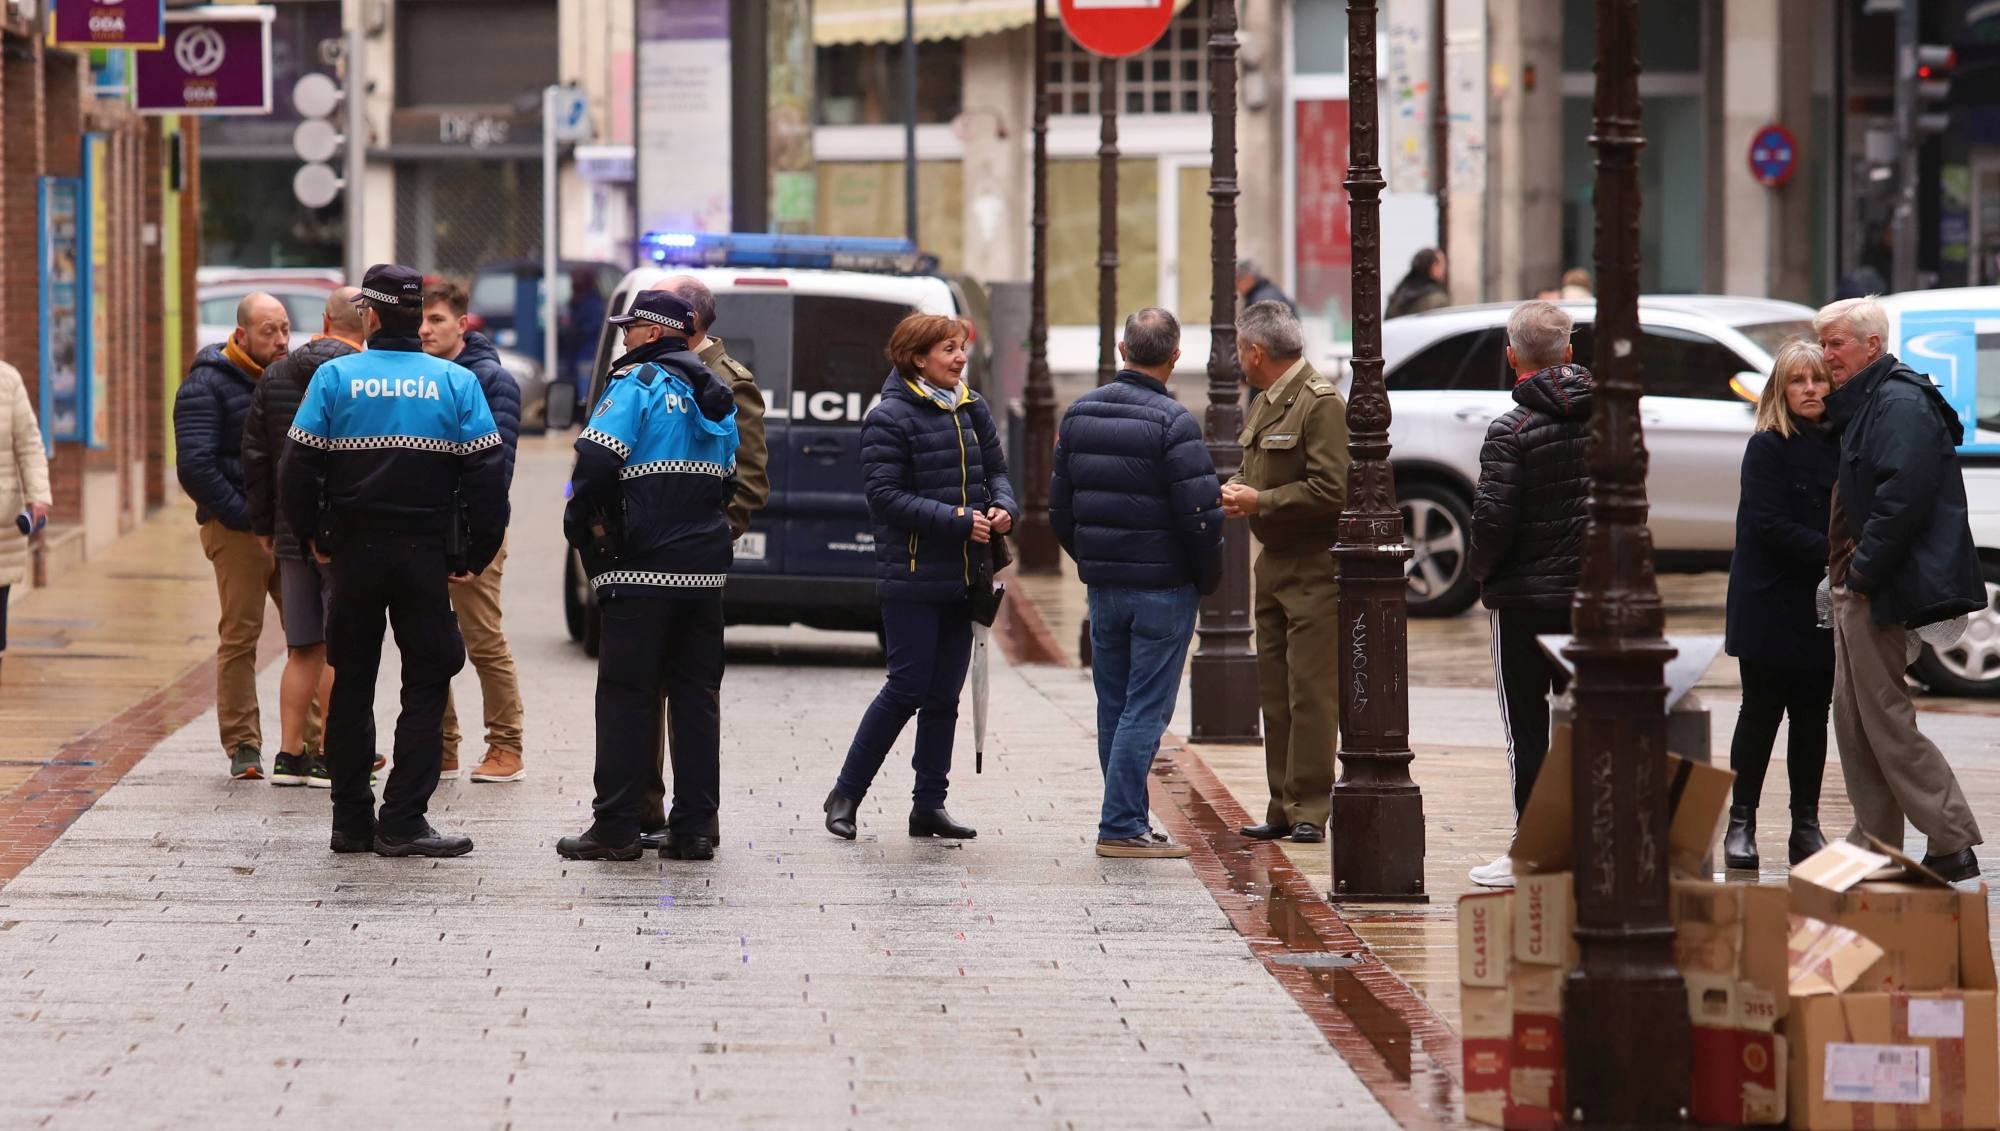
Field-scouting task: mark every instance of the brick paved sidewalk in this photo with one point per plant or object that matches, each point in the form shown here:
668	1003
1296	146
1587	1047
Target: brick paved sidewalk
189	954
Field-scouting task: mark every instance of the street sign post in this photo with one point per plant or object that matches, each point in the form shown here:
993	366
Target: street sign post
565	118
1774	156
1116	28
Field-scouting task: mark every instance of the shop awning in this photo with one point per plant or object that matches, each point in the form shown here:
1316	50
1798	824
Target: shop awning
881	21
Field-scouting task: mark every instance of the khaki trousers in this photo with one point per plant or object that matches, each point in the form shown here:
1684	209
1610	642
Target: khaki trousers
477	603
1298	652
1892	770
244	576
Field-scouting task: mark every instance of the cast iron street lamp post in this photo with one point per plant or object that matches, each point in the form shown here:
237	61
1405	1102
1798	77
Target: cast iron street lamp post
1039	552
1107	218
1625	1019
1377	830
1224	679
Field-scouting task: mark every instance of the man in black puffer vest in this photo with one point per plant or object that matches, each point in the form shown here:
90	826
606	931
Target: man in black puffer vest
1528	519
303	690
477	602
208	459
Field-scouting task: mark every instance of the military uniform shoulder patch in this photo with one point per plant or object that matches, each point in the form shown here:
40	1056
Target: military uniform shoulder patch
1321	387
737	373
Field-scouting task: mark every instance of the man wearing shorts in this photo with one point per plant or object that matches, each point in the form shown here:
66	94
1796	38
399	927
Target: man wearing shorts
303	691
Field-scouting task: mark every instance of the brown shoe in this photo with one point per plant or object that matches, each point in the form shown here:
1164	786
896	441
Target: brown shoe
500	765
1142	848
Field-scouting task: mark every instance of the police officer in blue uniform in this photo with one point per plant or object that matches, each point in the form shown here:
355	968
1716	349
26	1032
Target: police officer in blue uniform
396	476
647	513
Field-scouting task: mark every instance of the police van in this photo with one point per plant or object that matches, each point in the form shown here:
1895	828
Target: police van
809	317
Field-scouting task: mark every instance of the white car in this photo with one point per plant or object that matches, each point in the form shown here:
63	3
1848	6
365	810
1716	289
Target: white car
1704	360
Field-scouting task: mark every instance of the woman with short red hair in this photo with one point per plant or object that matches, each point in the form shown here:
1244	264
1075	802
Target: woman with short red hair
938	492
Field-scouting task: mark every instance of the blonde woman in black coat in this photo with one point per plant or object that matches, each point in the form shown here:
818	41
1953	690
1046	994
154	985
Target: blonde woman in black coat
1785	655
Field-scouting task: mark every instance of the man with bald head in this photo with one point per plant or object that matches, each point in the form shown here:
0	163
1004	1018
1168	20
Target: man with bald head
750	486
208	445
307	680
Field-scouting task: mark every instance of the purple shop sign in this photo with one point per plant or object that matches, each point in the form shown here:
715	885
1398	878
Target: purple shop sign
216	61
108	23
683	19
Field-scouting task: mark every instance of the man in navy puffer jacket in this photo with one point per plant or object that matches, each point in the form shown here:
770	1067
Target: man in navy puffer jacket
1135	500
477	602
208	456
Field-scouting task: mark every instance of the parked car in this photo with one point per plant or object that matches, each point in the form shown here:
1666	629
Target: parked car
218	291
1705	358
813	338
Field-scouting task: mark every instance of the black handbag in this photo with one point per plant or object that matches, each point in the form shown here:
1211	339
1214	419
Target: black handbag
984	593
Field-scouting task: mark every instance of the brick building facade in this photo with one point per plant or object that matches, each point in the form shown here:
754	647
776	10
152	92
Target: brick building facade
139	205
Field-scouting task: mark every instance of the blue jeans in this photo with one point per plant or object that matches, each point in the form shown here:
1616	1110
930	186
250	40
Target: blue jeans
930	647
1138	644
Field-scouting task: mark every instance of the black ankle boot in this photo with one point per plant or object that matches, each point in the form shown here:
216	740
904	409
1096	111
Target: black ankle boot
1806	837
1739	844
937	822
840	815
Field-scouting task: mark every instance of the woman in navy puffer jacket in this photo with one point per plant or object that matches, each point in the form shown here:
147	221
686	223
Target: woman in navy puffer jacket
938	491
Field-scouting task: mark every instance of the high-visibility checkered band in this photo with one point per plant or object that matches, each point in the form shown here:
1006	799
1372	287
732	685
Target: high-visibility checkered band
480	444
660	320
664	580
308	439
378	296
386	443
607	440
673	467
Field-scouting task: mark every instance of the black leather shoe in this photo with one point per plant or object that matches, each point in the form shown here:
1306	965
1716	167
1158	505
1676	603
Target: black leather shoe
1303	833
653	840
1806	838
840	815
937	822
688	848
428	843
1954	866
352	842
1269	830
1739	843
587	847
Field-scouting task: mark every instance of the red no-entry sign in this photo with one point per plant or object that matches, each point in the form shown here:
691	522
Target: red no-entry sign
1117	27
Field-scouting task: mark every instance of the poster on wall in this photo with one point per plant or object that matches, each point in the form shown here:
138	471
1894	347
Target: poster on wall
63	255
81	24
684	116
97	376
217	61
1325	257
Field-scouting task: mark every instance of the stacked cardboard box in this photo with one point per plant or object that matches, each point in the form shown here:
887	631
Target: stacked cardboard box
1892	1020
1729	943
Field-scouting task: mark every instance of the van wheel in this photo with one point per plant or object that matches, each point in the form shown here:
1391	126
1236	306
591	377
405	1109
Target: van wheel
1970	667
576	594
1437	523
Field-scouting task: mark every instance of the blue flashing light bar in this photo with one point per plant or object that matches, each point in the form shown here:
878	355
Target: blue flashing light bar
758	249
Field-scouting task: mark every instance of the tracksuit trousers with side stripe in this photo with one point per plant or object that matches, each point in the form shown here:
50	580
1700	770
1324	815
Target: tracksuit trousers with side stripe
1525	677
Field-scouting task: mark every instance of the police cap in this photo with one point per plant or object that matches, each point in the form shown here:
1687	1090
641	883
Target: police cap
392	284
661	308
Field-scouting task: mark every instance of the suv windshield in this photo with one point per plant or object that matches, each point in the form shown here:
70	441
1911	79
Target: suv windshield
1770	335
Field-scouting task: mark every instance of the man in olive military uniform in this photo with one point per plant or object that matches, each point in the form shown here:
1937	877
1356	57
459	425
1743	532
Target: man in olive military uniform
751	486
1292	486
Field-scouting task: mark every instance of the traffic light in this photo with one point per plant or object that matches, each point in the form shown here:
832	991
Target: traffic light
1934	64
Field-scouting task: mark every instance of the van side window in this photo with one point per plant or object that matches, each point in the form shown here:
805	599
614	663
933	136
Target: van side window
838	343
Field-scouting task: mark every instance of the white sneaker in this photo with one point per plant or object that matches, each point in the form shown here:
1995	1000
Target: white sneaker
1499	874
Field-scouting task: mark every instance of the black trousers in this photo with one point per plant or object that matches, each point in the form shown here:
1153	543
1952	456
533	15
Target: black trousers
930	650
399	578
1525	677
1770	693
650	648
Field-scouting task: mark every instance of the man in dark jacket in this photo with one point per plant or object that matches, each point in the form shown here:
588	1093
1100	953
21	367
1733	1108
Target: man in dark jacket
303	690
1135	501
1900	557
477	602
208	456
1422	289
1252	287
1528	520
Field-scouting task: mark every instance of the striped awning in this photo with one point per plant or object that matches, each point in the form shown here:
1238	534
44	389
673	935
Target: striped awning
881	21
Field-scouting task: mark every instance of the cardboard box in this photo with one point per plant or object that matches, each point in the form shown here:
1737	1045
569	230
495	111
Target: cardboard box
1535	1052
1730	933
1486	1021
1933	936
1739	1076
1545	920
1919	1060
1485	938
1698	794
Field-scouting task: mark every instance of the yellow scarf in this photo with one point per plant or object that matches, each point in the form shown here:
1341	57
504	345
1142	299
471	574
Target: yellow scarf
241	360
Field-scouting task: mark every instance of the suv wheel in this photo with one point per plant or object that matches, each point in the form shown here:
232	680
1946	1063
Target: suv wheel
1971	666
1437	523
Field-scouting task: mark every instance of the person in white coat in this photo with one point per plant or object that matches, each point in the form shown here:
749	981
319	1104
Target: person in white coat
24	484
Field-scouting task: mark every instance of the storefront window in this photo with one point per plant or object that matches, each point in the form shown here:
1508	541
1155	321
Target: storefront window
453	217
251	219
1171	77
1073	213
450	53
1669	36
1672	189
865	198
861	84
1320	31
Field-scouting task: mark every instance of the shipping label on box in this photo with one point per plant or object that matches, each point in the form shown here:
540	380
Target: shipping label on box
1485	938
1545	919
1863	1060
1877	1074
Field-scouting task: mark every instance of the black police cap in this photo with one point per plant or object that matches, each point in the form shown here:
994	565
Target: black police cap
661	308
392	284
